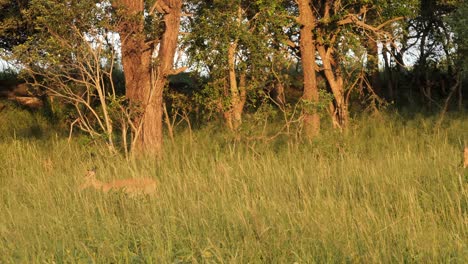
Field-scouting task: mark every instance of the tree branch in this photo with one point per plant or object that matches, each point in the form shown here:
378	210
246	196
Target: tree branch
389	21
161	7
353	19
177	71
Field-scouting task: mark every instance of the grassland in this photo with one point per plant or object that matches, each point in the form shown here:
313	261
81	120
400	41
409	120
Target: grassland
388	191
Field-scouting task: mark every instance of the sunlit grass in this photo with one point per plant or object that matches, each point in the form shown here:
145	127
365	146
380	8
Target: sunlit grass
387	191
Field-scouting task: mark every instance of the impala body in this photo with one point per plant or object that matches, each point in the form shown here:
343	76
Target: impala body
132	187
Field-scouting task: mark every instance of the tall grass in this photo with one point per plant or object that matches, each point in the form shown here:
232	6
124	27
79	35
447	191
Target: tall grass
390	191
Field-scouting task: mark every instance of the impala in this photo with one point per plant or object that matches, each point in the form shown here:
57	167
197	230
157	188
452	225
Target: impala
132	187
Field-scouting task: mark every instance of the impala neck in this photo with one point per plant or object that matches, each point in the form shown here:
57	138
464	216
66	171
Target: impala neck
96	184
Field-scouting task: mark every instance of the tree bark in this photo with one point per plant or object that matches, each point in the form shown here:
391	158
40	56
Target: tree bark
164	68
335	80
145	82
308	50
136	58
237	92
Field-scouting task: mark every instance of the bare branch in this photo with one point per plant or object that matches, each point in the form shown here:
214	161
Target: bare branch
353	19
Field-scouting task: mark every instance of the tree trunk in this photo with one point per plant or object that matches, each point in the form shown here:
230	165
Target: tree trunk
144	84
237	91
279	96
239	106
164	68
421	71
136	60
335	80
389	75
307	47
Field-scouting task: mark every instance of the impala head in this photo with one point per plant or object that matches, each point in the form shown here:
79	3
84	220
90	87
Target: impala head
89	179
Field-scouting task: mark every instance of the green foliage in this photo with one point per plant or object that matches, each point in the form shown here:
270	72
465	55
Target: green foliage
317	107
19	123
8	74
458	21
14	28
388	191
257	32
72	57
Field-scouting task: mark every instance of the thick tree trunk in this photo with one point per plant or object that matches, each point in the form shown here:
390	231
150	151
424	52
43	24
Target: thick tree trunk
166	53
144	82
136	60
307	47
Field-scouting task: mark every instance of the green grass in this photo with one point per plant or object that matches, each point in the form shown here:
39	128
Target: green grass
388	191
